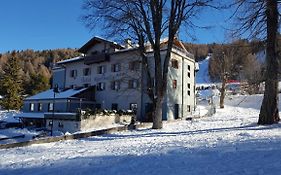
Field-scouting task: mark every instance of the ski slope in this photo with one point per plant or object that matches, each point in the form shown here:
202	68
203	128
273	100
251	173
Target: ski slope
202	76
227	143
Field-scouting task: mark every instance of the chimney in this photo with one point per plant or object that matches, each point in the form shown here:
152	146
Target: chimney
128	43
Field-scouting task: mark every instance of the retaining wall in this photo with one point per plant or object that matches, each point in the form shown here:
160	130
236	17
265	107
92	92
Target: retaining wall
65	137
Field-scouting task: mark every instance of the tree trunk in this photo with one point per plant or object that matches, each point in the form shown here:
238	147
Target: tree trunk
269	113
157	114
223	90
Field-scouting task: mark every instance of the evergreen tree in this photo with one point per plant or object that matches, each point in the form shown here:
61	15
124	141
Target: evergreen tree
11	84
38	83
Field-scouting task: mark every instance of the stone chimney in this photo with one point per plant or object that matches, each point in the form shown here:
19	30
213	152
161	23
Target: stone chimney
128	43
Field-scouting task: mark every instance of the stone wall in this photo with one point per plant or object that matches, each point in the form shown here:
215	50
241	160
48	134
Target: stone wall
91	122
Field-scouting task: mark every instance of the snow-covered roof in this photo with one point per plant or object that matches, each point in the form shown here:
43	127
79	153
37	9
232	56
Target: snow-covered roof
61	113
94	40
30	115
49	94
70	60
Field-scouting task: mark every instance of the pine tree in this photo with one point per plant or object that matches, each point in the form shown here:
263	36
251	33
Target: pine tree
11	84
38	83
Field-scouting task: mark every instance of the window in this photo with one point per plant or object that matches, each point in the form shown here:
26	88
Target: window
174	84
114	106
73	73
175	63
115	85
188	74
101	86
188	67
40	106
60	125
101	69
134	65
188	92
51	106
87	72
188	108
115	67
176	112
188	85
133	84
31	107
133	106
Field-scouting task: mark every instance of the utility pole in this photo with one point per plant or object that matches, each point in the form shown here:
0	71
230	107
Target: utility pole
55	90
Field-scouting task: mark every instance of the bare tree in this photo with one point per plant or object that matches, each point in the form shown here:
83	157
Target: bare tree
253	73
223	60
145	21
260	18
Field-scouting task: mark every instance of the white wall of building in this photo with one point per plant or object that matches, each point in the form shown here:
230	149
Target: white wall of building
184	75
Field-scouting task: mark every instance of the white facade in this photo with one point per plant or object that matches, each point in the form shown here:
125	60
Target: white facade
120	82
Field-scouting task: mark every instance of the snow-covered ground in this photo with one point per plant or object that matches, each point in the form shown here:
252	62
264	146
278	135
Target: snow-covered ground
229	142
8	116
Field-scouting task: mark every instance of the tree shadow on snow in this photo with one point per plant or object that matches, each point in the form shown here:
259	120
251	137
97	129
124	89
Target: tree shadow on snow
153	133
248	157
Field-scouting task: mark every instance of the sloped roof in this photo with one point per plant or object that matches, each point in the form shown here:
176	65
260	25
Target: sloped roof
49	94
95	40
39	115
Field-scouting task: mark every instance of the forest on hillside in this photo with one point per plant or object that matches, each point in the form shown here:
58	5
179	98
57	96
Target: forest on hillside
35	67
238	57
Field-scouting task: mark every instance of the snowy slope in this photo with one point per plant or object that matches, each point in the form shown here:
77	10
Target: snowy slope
229	143
202	75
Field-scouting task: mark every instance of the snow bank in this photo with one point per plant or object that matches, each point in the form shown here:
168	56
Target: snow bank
8	116
13	132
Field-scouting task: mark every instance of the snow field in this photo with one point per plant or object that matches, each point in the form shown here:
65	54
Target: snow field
229	142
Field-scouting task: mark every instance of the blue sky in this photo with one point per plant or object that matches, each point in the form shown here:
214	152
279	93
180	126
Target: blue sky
50	24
